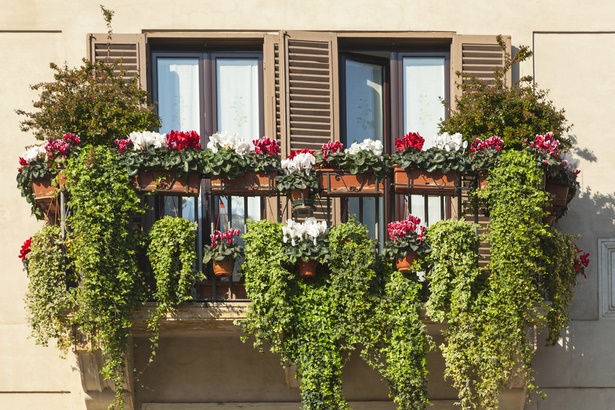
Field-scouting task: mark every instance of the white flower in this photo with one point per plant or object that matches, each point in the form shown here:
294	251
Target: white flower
141	141
310	229
33	153
303	162
449	143
374	146
313	228
225	140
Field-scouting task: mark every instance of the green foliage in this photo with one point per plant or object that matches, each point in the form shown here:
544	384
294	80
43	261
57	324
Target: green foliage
49	299
433	159
297	180
514	113
103	247
307	250
90	101
172	257
225	161
361	162
181	161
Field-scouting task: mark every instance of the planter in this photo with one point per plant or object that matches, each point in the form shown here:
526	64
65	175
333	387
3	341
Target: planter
47	197
404	265
252	183
341	183
307	269
223	268
168	183
558	198
421	182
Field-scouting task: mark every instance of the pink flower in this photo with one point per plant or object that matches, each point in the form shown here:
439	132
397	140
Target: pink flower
581	260
122	145
266	146
546	143
494	143
406	229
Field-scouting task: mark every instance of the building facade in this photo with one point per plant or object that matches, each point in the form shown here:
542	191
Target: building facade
298	58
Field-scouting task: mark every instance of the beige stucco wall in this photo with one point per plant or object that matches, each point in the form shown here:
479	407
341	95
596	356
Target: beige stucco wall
573	42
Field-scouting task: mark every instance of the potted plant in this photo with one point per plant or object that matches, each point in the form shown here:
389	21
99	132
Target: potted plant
37	176
406	243
434	171
170	164
560	173
238	168
299	180
223	252
306	245
483	154
355	171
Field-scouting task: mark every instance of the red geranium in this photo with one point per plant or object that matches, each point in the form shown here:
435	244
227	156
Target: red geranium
411	140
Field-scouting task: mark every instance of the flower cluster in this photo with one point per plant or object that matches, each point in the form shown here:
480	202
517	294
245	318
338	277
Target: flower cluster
581	260
61	146
493	143
367	145
299	161
25	250
183	140
54	150
546	143
449	143
224	140
331	147
218	237
266	146
410	141
408	229
309	230
32	154
405	236
142	141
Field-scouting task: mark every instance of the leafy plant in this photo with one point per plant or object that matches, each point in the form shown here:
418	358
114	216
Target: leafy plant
50	298
90	101
172	257
483	154
232	156
298	172
448	154
405	236
363	157
305	241
177	151
103	247
223	246
515	113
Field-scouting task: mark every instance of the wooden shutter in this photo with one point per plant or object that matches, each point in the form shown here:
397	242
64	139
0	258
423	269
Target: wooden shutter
127	50
306	105
478	56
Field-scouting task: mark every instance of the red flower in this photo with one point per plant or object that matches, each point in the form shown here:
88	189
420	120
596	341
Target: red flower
547	143
409	227
183	139
495	143
122	145
266	146
331	147
581	260
25	250
411	140
296	152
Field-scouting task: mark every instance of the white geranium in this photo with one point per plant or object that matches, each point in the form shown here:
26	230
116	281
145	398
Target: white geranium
310	229
33	153
303	162
225	140
374	146
141	141
449	143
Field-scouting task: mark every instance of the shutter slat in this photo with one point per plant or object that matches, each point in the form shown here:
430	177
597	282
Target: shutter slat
125	50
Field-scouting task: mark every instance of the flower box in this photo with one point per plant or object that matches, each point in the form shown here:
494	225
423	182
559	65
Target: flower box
421	182
341	183
168	182
558	198
252	183
47	198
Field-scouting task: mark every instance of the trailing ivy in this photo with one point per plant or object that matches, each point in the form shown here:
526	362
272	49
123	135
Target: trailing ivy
103	246
172	257
49	299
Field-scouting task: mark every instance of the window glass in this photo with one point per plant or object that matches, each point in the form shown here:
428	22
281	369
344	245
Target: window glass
178	93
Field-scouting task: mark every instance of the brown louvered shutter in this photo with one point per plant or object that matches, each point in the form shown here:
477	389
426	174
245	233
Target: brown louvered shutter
478	56
127	50
308	83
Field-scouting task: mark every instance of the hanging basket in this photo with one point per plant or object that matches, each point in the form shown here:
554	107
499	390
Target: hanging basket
168	182
223	268
421	182
252	183
307	269
302	202
558	199
341	183
404	265
47	198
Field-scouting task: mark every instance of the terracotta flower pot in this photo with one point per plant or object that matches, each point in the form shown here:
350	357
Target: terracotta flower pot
341	183
421	182
404	265
223	268
252	183
307	269
168	182
47	198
